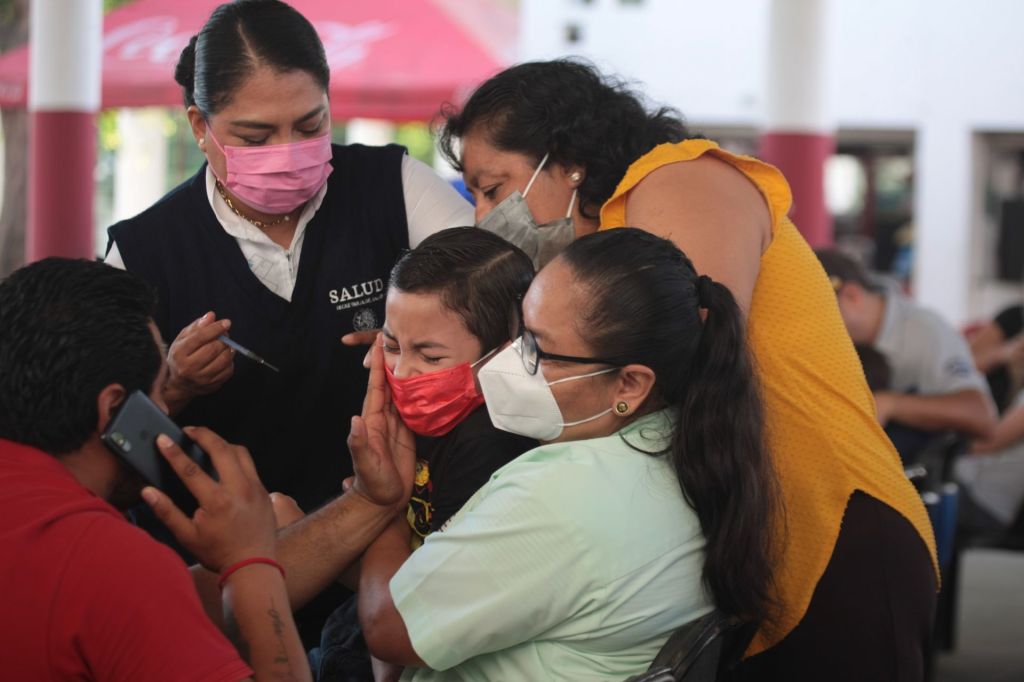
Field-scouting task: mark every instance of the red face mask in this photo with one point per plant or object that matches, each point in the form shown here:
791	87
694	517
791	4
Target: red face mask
435	403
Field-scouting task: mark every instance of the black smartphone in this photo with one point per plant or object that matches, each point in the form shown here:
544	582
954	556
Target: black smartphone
131	436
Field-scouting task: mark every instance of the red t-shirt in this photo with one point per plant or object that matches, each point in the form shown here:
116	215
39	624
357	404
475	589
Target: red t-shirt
86	595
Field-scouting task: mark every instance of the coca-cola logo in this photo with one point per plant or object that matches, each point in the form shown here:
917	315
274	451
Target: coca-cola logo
158	40
346	45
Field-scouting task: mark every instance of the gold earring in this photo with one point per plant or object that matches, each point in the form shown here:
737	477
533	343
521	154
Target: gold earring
621	407
576	177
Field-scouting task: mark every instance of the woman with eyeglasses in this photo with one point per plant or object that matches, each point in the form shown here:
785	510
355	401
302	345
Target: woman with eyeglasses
649	502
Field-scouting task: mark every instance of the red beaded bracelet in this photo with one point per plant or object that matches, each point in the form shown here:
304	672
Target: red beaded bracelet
227	572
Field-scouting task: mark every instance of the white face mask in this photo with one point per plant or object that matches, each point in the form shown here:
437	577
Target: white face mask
522	403
512	220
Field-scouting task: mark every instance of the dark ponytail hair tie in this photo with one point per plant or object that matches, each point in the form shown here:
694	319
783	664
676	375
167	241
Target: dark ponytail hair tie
704	287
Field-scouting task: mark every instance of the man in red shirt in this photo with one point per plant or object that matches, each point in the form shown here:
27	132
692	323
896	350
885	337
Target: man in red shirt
88	596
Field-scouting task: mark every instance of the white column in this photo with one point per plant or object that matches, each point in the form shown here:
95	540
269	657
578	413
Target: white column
65	55
942	218
371	131
140	172
65	61
798	127
796	92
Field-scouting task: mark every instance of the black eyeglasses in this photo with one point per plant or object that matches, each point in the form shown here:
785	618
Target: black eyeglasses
532	355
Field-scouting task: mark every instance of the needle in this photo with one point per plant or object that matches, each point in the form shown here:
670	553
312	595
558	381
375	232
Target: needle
246	352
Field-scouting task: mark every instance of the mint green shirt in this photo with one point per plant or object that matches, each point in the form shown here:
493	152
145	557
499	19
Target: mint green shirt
576	561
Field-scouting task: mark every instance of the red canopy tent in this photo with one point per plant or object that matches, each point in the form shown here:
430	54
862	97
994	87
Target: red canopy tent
390	59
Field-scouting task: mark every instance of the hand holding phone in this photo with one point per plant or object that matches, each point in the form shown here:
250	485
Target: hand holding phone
235	519
131	436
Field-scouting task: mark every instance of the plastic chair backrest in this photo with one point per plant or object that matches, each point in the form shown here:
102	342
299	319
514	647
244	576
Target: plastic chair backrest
943	508
697	650
1017	525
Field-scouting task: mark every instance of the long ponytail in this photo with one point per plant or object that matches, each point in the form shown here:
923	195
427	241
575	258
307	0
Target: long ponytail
647	305
722	461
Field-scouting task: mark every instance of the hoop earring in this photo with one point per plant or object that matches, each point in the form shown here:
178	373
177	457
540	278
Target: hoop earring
621	407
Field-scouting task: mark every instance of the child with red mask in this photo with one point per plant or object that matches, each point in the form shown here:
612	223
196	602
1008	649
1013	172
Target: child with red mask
451	303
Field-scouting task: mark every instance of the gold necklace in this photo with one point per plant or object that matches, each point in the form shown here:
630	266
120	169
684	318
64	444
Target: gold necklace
258	223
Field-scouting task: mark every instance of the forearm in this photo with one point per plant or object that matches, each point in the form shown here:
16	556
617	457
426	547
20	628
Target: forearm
383	628
256	607
1008	431
966	412
319	548
350	577
209	594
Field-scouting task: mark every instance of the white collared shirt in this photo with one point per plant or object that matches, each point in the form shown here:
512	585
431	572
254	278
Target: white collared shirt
926	354
431	205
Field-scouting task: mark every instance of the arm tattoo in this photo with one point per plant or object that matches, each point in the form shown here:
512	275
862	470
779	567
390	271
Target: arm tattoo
284	671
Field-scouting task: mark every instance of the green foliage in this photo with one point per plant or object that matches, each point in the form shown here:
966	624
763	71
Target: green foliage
106	125
114	4
8	12
416	138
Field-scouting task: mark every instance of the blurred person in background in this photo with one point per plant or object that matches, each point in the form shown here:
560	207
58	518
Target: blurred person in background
877	371
934	385
993	476
552	151
998	350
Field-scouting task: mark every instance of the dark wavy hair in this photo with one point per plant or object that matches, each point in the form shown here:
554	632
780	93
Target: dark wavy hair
68	329
237	38
567	109
478	275
643	305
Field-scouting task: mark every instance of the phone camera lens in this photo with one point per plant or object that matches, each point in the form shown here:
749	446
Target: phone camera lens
120	441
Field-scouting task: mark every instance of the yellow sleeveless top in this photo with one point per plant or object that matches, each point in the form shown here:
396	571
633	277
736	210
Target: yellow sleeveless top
822	431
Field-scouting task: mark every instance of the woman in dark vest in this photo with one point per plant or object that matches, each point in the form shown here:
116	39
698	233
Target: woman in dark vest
282	241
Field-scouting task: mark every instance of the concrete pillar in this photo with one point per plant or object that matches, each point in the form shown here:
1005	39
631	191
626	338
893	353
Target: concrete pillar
798	132
140	174
943	155
369	131
65	62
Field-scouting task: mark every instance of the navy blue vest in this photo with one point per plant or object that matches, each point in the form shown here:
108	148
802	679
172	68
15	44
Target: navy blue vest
294	423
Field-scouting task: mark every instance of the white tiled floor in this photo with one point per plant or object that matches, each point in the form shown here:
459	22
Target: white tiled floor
991	628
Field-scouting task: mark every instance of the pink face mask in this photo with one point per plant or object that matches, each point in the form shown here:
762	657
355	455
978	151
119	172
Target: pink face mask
276	178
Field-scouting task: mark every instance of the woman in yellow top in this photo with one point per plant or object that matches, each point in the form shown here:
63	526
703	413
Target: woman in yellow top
554	150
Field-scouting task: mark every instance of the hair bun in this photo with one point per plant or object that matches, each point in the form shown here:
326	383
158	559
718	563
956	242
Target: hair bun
185	71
